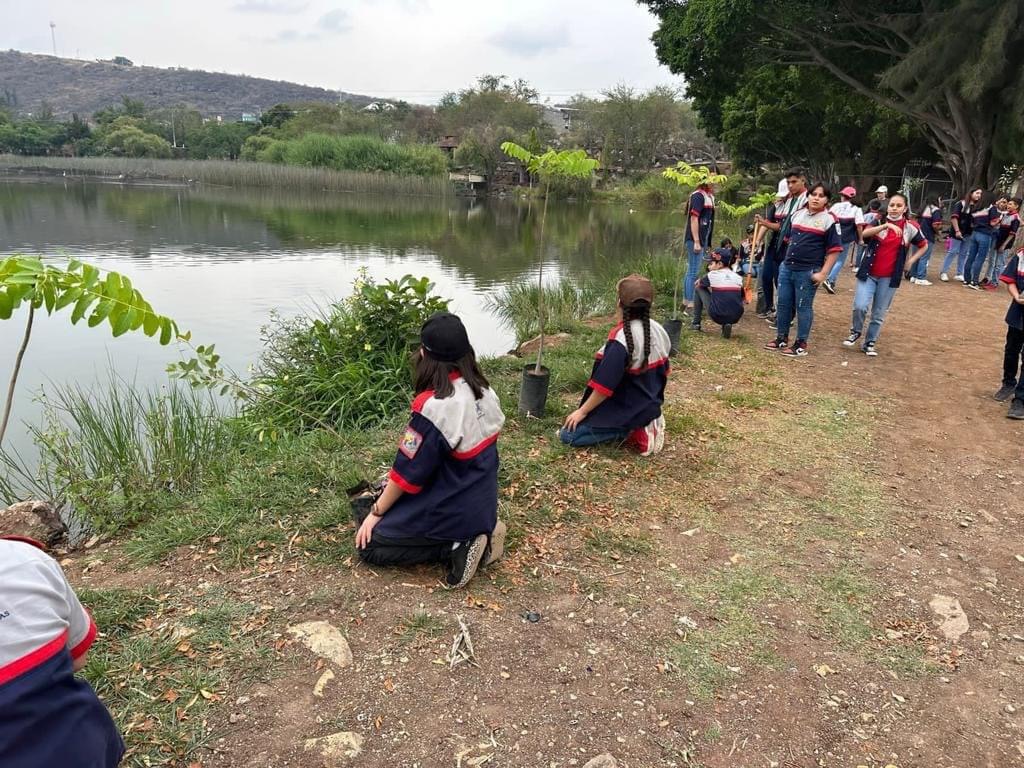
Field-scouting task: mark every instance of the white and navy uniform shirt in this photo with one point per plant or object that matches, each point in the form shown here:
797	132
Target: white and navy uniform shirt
726	295
849	216
782	215
49	717
814	236
447	464
635	391
702	208
1008	226
964	220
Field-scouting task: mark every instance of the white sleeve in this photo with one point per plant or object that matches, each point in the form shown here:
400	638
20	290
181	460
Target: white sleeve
858	216
81	628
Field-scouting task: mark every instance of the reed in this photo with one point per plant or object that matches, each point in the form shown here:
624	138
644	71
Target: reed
230	173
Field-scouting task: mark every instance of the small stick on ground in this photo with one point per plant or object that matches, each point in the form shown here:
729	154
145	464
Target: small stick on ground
462	647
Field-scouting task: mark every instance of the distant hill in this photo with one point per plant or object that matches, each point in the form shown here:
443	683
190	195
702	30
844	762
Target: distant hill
84	87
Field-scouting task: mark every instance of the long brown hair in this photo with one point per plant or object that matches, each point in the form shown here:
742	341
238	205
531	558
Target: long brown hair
430	375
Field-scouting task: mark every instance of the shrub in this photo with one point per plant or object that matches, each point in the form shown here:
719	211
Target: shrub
348	366
357	153
565	305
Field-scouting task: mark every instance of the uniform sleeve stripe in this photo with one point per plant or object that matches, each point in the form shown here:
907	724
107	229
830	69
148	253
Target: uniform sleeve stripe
835	249
402	483
600	388
86	642
32	660
477	449
1007	280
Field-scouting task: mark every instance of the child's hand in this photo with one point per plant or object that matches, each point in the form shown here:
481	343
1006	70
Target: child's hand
365	531
574	419
894	227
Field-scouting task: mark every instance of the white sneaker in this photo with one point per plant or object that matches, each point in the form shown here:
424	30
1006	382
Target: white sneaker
650	439
961	278
922	281
913	281
944	277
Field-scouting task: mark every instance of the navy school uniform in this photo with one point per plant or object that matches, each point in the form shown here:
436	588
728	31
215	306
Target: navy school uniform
635	392
726	289
963	218
702	207
48	717
981	220
814	236
1012	352
1008	226
849	217
447	464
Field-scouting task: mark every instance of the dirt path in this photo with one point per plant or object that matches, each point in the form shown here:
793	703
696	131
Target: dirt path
757	595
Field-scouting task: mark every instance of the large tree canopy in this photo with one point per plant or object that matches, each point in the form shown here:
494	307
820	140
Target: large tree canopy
952	68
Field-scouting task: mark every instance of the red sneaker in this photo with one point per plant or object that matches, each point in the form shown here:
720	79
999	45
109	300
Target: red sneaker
779	345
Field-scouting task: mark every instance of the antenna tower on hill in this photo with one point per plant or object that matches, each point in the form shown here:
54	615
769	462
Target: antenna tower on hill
53	37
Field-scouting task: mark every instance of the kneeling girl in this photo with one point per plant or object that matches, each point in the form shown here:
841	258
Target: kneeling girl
440	504
623	398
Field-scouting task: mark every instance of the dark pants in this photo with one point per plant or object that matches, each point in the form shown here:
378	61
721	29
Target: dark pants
701	299
769	279
387	552
1012	361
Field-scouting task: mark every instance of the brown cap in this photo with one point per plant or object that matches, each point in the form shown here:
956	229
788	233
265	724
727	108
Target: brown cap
634	289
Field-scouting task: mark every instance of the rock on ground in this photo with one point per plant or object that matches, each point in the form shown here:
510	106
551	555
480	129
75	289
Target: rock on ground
952	619
325	640
33	519
602	761
337	749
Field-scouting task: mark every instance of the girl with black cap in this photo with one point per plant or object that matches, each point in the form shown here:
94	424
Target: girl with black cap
623	398
440	504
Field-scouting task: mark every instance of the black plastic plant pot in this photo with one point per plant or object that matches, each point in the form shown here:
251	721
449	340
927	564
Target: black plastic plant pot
673	328
533	394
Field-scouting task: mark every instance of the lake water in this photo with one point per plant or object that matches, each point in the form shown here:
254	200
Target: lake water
219	261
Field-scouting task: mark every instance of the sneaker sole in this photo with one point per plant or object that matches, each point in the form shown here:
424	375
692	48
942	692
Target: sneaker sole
473	558
497	549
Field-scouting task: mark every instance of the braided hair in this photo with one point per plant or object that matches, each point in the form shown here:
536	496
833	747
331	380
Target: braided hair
639	310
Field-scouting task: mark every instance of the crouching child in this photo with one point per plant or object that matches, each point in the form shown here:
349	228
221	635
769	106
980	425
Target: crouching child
721	291
440	503
623	399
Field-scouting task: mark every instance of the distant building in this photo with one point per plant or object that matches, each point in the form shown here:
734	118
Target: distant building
249	117
560	117
448	145
379	106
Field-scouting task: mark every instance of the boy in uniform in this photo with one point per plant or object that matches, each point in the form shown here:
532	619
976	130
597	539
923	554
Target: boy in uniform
1013	377
721	290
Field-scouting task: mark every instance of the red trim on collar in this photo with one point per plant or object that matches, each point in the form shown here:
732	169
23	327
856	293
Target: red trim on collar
614	332
421	400
25	540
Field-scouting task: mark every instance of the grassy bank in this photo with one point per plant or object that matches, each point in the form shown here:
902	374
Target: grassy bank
229	173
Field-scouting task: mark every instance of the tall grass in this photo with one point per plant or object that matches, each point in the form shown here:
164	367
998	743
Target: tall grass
114	450
574	299
230	173
355	153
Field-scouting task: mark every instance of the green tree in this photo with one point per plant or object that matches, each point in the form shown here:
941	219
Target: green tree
952	68
128	140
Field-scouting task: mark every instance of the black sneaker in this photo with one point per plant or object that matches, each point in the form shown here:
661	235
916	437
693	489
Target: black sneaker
870	350
797	350
696	329
850	340
727	331
1004	393
465	560
779	345
1016	410
829	286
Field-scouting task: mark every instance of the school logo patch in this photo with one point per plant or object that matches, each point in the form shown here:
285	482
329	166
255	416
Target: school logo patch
410	442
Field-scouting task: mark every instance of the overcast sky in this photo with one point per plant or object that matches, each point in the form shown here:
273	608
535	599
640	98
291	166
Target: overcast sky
400	49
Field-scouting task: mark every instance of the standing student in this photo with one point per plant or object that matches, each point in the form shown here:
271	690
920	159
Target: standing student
872	216
930	221
1013	351
623	399
1009	224
440	504
882	196
48	716
813	250
984	225
960	223
700	227
768	276
851	225
882	270
780	223
721	291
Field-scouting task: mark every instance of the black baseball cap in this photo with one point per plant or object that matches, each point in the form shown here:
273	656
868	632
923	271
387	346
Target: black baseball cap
444	337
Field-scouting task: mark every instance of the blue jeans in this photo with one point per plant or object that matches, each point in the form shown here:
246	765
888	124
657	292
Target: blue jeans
958	250
585	434
693	260
998	264
796	296
877	293
848	249
921	267
980	243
